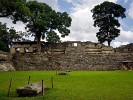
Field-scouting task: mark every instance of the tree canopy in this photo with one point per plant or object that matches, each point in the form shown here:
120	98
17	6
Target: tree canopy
106	17
14	9
41	20
6	36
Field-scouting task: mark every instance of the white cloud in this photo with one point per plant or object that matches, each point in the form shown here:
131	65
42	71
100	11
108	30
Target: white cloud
51	3
19	26
125	1
124	38
117	44
130	11
69	1
82	23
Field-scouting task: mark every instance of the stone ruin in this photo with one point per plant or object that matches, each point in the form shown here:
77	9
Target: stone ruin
71	55
61	48
23	47
5	62
125	48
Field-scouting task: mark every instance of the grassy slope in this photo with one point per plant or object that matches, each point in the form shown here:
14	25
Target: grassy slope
78	85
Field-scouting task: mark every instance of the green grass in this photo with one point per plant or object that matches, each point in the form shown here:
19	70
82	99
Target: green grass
78	85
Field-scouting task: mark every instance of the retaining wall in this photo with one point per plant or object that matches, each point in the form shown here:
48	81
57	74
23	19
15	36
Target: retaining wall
42	61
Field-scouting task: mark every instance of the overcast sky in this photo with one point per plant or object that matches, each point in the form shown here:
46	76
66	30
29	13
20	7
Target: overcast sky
82	23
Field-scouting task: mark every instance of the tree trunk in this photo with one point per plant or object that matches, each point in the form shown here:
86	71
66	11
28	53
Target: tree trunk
38	37
108	38
109	43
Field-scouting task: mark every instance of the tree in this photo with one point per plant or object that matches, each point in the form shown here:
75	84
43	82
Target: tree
6	36
106	17
43	21
14	9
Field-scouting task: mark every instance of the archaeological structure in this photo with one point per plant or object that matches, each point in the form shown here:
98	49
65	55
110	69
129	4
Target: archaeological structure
70	55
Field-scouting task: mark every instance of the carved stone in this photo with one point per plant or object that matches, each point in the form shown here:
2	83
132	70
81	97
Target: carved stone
30	90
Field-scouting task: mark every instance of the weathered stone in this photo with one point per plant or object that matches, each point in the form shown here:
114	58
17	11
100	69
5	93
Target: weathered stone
4	56
62	73
68	47
72	55
64	62
30	90
5	62
106	48
125	48
6	67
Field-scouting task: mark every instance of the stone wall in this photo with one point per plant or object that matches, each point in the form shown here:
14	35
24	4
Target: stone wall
71	61
125	48
71	55
61	48
23	47
6	62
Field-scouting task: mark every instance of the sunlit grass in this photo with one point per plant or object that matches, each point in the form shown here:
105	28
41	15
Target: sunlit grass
77	85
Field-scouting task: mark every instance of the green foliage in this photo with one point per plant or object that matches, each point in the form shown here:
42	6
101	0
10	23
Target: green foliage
106	17
14	9
77	85
6	36
52	37
43	21
40	19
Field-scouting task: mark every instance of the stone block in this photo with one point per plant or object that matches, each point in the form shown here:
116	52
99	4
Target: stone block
62	73
30	90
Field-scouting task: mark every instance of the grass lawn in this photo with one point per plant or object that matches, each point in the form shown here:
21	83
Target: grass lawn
78	85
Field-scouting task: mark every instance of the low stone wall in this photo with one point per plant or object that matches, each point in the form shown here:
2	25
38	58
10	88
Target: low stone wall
73	61
6	62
